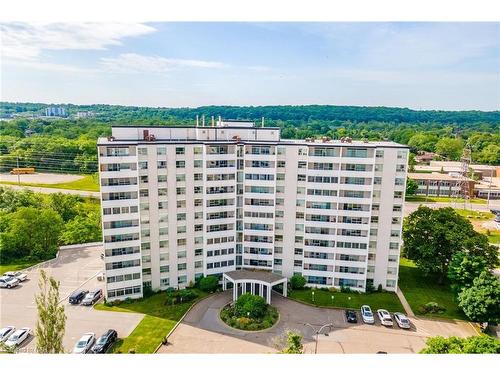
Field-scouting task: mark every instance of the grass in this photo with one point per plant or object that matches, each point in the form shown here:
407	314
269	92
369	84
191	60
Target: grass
17	265
420	289
158	322
87	183
420	198
475	215
494	237
323	298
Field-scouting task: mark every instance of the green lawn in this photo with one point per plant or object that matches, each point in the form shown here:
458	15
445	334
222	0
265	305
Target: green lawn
158	322
475	215
419	290
323	298
15	266
420	198
494	237
87	183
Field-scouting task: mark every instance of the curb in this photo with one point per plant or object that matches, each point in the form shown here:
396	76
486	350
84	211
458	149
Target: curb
180	321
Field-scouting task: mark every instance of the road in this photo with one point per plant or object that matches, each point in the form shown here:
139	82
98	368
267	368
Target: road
44	190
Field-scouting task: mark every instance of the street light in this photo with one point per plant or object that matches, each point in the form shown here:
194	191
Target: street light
317	332
312	293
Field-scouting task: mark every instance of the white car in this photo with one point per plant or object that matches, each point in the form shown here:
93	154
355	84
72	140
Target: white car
385	317
8	282
367	315
84	344
6	332
17	275
402	320
18	337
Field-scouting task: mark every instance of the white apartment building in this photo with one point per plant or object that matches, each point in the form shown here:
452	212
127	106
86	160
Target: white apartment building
183	202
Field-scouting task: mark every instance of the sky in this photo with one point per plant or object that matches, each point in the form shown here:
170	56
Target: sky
448	66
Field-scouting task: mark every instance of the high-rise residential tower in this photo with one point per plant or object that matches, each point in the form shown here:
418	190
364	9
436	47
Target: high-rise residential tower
179	203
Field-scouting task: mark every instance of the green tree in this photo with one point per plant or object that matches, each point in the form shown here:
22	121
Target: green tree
431	237
464	268
293	343
66	205
411	162
423	141
451	148
249	305
411	186
31	232
50	327
297	282
82	229
481	302
208	283
457	345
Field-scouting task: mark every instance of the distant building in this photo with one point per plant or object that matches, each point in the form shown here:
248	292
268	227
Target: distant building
84	114
439	184
425	157
487	188
480	170
55	112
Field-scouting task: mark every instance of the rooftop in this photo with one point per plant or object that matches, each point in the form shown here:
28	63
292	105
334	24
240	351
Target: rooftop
264	276
434	176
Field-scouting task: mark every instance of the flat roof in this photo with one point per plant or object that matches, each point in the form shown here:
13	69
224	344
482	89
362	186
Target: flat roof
260	275
434	176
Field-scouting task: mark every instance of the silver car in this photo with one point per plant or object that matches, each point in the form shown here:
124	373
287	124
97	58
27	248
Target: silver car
8	282
17	275
18	337
84	344
6	332
402	320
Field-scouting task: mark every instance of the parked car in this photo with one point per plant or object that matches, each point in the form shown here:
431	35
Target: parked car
92	297
17	275
77	296
497	219
104	342
402	320
6	332
385	317
84	344
8	282
18	337
495	212
350	316
367	314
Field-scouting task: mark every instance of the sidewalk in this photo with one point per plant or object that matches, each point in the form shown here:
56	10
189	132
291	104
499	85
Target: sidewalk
405	303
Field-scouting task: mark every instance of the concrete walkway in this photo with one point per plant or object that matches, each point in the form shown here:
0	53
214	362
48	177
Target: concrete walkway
44	190
404	302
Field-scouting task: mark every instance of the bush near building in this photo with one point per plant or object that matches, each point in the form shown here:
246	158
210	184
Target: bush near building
297	282
457	345
208	284
250	313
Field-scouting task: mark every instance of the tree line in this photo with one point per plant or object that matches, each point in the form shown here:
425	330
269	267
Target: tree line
34	225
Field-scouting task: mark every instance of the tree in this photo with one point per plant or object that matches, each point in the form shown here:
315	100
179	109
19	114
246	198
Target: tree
411	186
411	162
209	283
50	327
249	305
31	232
82	229
450	148
457	345
66	205
431	237
481	302
464	268
293	343
297	282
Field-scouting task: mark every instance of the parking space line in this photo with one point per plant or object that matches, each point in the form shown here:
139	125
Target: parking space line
82	284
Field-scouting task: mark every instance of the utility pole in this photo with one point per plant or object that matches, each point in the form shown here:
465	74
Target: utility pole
18	174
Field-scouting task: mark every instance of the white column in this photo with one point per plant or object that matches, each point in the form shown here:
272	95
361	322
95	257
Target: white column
235	291
261	290
224	282
268	298
285	288
252	288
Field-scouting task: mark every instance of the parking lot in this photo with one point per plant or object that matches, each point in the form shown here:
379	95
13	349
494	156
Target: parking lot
202	331
74	268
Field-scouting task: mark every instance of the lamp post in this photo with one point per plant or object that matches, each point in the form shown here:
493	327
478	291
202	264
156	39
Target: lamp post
332	299
312	294
317	332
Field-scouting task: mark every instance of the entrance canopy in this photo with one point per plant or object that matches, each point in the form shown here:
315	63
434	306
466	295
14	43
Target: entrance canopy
258	283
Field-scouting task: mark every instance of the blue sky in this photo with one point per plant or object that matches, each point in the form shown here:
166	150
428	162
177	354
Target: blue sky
418	65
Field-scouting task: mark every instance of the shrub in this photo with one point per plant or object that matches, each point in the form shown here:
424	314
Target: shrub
208	284
180	296
250	305
370	288
297	282
379	288
147	291
345	289
432	308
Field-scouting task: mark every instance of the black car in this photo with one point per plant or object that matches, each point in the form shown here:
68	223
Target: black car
77	296
104	342
351	316
92	297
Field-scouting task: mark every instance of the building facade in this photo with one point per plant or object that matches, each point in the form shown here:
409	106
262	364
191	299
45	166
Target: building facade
183	202
442	185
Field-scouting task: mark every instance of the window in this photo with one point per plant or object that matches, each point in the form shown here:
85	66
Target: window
281	164
161	164
161	151
179	150
182	279
379	153
142	151
162	178
180	164
164	269
143	165
180	178
198	163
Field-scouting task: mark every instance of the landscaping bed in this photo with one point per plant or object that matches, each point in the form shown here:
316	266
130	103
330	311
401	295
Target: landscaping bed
249	313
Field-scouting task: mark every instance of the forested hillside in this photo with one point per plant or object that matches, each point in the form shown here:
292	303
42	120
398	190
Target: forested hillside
69	145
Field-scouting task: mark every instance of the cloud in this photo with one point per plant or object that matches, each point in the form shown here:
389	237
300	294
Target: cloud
25	41
135	63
